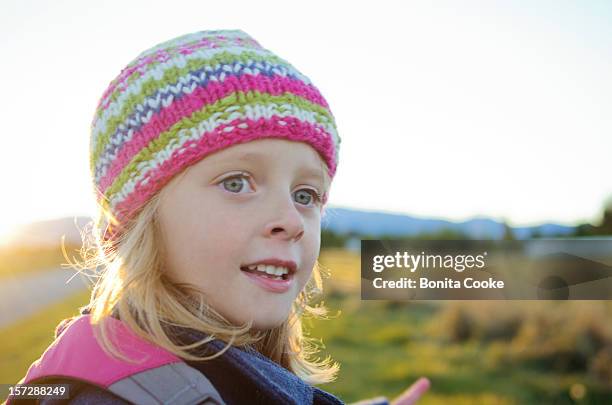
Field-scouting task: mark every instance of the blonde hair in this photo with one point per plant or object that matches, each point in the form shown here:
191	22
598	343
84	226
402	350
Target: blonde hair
130	282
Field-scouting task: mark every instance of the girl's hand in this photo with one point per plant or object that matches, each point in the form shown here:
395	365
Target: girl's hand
413	393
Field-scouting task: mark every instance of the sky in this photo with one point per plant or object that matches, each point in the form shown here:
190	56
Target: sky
445	109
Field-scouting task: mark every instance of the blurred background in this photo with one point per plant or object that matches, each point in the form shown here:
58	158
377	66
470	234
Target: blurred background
473	119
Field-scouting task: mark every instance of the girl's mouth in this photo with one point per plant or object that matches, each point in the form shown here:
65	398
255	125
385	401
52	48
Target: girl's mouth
267	275
269	282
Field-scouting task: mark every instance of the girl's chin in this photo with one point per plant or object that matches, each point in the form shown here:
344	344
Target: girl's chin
267	323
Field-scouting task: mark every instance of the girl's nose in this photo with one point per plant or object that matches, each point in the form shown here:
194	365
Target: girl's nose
287	223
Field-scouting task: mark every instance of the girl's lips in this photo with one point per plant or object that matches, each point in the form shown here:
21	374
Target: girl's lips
269	284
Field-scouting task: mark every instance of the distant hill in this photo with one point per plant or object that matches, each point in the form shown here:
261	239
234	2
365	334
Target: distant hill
340	220
346	221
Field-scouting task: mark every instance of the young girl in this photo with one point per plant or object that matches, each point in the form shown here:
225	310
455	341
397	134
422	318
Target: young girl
212	160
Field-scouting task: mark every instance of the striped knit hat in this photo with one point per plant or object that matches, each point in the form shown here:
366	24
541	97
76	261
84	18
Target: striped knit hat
191	96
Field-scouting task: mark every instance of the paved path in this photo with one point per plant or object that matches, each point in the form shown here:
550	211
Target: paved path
29	293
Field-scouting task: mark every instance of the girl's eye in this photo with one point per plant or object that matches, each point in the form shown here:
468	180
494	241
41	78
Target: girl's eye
235	184
307	197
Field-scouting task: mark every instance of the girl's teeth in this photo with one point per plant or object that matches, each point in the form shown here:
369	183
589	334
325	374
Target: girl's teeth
273	270
269	272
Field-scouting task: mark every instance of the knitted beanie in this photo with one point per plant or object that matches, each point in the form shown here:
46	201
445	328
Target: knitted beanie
191	96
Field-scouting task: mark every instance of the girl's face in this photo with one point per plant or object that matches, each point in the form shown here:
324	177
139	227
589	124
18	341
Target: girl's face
245	204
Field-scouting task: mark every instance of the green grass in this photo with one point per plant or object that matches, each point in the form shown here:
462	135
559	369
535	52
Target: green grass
382	351
383	347
23	342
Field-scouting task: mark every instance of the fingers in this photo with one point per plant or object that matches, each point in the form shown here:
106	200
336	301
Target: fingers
413	393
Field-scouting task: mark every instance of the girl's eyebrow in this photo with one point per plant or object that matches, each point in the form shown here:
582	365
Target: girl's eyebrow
306	171
303	170
311	172
251	156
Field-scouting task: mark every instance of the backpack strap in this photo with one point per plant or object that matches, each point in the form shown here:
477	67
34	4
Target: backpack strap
175	383
158	376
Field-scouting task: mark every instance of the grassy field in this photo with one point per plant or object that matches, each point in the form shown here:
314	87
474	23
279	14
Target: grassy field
24	341
473	352
19	260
